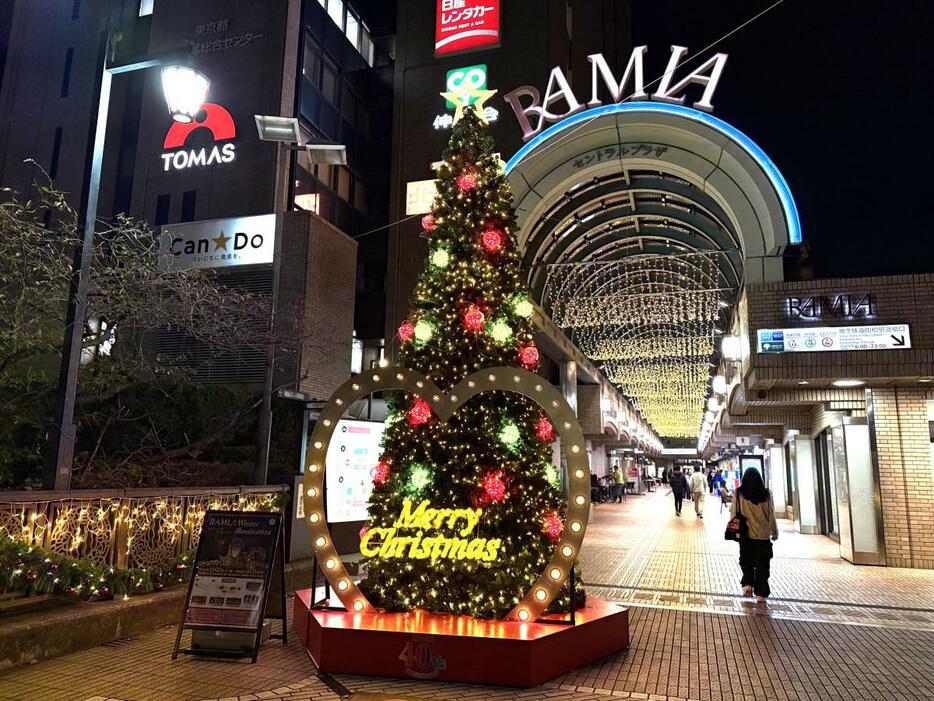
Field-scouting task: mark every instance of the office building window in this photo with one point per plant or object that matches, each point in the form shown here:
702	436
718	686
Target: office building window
329	85
188	205
66	73
353	30
162	210
56	153
311	65
336	12
75	9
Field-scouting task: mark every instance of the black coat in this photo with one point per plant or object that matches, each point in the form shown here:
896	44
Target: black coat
679	485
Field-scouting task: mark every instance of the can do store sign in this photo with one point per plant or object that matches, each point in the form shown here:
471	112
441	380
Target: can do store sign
218	243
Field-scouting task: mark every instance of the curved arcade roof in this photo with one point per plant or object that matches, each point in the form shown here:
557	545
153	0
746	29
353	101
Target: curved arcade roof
639	223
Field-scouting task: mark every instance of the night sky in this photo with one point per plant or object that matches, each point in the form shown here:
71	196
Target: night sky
839	94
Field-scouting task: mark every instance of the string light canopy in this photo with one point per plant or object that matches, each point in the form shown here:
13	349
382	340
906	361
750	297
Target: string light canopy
653	321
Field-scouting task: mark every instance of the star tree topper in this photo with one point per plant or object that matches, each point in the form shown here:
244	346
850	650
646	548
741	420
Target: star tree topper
468	95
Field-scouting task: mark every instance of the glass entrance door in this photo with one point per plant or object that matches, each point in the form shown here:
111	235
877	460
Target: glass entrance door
827	486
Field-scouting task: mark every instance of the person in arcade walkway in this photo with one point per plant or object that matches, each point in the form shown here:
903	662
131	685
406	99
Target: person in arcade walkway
679	485
754	502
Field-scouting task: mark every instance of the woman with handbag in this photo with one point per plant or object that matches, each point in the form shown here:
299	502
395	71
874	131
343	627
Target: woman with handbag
752	523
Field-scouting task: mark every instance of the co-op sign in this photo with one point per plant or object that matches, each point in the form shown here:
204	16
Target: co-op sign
218	243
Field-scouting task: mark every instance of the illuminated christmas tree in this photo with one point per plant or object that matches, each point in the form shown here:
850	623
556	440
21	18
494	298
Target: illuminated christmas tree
465	514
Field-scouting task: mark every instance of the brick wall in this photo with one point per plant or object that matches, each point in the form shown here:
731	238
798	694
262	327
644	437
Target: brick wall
898	299
317	284
907	485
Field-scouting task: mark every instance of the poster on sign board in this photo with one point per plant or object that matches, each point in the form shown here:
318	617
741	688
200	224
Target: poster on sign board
234	585
465	25
352	455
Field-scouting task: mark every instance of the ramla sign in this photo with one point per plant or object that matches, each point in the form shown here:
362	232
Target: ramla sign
560	101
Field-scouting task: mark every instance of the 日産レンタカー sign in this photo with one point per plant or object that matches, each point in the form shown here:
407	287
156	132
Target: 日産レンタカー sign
461	25
834	338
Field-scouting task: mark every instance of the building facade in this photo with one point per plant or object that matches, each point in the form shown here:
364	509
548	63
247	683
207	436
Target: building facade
832	387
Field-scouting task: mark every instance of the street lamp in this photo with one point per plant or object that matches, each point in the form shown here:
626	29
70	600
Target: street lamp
185	90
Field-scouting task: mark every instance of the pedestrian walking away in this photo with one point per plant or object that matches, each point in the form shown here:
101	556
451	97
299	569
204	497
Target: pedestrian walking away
698	486
679	485
753	503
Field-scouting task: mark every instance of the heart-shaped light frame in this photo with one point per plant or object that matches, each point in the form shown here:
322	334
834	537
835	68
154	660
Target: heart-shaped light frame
444	405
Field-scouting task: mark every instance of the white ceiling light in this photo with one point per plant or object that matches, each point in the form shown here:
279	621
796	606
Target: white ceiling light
730	348
848	383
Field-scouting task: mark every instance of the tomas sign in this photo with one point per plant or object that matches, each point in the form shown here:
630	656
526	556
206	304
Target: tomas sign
218	243
217	120
463	25
560	101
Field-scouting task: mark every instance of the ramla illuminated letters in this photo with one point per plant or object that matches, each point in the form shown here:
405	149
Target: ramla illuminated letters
461	523
537	111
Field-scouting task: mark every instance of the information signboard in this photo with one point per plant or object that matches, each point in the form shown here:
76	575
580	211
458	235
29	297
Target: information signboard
834	338
232	577
352	455
462	25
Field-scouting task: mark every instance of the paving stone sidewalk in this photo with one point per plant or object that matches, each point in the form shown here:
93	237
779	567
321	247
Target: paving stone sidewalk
832	631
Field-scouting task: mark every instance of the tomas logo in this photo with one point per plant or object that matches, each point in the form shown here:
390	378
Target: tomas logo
218	122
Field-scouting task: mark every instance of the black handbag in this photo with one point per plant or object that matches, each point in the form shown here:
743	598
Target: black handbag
737	528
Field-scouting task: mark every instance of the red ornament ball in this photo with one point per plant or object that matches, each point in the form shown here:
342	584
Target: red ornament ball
494	488
467	181
493	240
474	319
554	526
544	430
407	331
428	222
528	356
419	412
381	473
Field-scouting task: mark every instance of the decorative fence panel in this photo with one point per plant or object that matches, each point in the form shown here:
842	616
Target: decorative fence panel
124	527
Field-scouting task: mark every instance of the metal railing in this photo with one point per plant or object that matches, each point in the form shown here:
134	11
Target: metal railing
124	527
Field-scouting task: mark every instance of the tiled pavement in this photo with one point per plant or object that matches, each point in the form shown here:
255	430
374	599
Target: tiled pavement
832	631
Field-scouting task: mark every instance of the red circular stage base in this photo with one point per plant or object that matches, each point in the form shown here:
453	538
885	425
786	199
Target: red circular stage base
424	645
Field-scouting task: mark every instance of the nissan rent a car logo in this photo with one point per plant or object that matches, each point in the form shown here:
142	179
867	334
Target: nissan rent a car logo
218	121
